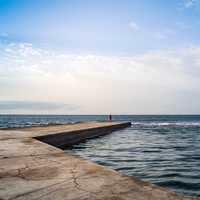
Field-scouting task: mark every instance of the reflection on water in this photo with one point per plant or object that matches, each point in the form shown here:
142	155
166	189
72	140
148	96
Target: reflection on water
167	154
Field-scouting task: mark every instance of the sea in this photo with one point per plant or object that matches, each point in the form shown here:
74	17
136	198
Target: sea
161	149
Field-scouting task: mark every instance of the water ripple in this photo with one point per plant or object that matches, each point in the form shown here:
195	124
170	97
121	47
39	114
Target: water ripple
166	154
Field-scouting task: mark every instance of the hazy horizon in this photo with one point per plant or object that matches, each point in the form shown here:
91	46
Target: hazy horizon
100	57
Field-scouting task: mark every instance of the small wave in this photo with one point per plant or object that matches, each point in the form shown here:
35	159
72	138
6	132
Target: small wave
33	124
166	123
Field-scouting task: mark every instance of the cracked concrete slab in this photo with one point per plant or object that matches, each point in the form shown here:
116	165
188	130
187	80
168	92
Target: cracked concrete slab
31	169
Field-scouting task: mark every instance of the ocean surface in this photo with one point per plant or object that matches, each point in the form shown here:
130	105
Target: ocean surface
161	149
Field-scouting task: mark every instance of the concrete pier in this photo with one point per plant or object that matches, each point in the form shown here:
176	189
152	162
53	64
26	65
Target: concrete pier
32	167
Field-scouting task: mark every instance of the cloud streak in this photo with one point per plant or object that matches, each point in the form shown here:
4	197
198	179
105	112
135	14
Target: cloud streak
133	26
31	105
166	33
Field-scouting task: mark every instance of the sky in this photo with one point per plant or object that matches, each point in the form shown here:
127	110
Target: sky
99	57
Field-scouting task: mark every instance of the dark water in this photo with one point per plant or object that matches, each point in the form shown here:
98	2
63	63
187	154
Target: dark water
164	150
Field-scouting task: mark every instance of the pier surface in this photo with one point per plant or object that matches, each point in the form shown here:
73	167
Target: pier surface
32	167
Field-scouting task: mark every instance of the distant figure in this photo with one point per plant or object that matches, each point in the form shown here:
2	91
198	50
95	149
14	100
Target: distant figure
110	117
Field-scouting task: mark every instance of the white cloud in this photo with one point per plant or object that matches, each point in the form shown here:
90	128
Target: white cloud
155	82
133	26
189	3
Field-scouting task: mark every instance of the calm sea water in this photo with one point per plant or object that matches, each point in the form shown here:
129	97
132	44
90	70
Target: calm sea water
164	150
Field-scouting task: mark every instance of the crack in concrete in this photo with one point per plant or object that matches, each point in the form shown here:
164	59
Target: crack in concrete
18	173
76	183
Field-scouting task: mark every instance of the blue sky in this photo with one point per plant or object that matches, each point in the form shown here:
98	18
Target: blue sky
115	52
102	26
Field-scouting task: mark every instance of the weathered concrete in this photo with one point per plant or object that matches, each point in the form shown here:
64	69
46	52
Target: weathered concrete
31	169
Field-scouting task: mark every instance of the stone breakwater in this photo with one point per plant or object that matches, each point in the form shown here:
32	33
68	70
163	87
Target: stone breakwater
33	166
